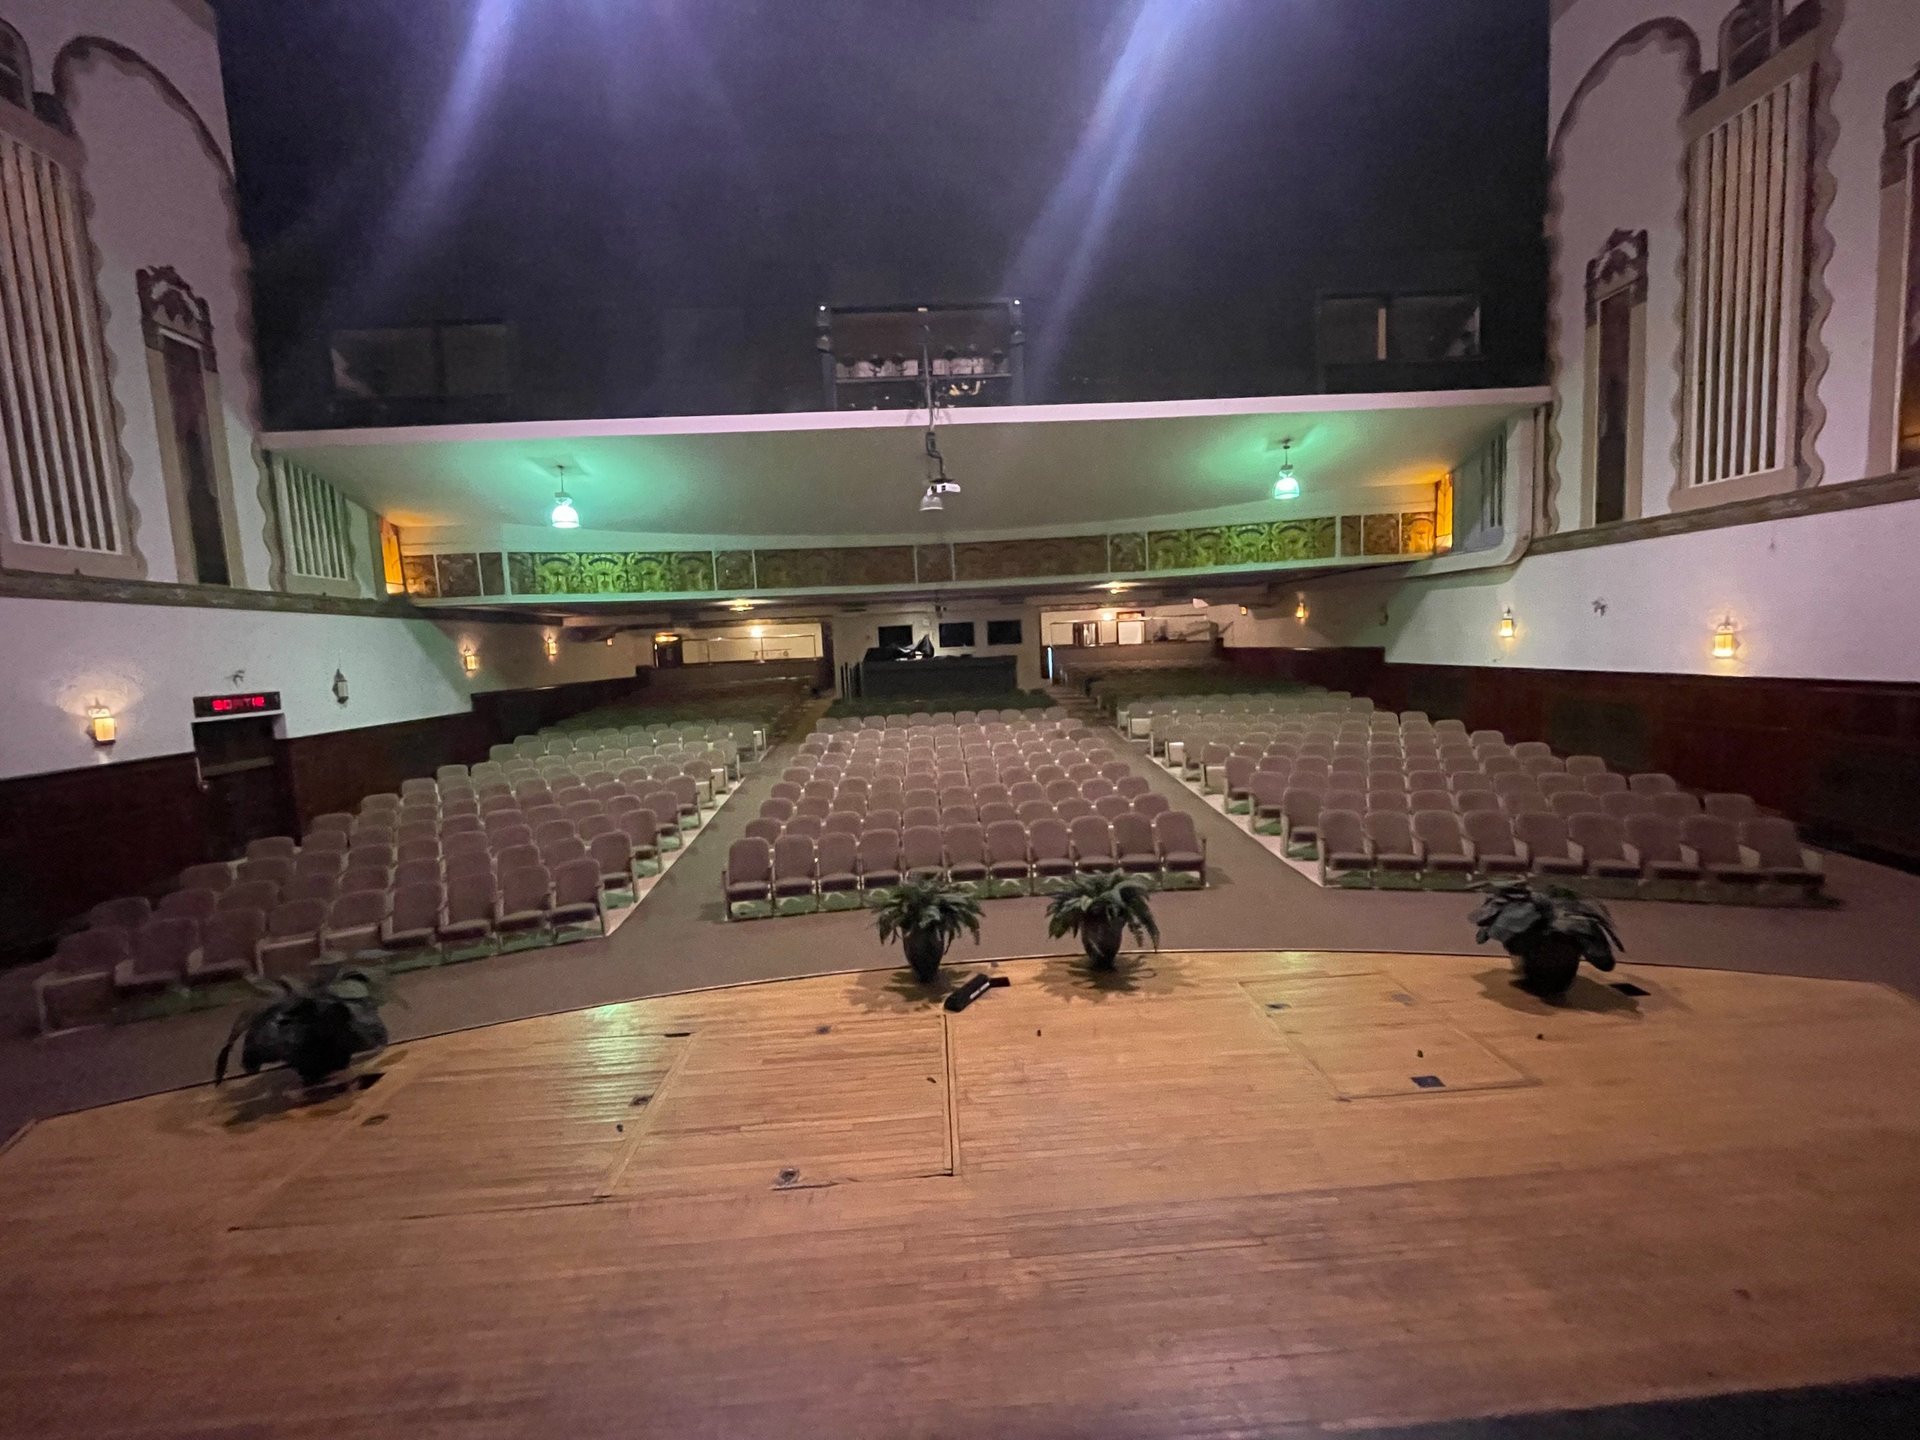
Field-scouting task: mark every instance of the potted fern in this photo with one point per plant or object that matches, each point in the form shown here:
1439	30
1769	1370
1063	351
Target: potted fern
1548	930
927	915
1102	908
314	1028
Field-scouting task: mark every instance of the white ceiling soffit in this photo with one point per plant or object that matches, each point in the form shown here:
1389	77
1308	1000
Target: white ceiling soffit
859	474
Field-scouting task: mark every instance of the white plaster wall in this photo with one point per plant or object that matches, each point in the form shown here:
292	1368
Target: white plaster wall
1825	596
156	198
1878	45
1620	159
146	662
1621	164
175	36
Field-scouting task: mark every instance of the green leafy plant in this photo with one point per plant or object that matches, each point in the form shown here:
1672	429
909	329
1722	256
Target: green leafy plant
1548	929
315	1029
1102	908
928	916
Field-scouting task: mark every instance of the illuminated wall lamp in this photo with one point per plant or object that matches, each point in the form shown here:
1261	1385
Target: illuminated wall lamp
1506	623
1300	610
552	645
470	661
1726	640
102	728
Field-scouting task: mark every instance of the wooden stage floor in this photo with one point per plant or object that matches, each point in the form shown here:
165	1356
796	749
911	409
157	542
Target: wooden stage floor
1226	1194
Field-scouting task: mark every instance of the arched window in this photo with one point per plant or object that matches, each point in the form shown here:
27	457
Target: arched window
193	447
16	70
1615	377
1748	178
1895	414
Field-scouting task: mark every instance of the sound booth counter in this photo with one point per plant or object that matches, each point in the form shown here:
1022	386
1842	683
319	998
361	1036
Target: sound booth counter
941	676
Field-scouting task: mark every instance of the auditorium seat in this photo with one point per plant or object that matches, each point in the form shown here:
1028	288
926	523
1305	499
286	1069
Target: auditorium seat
1663	857
1716	843
794	874
292	940
195	904
1343	845
260	895
229	947
575	898
1735	808
1300	810
1448	851
1549	849
523	897
1051	846
353	922
1575	802
1622	803
1183	854
1496	850
128	912
1603	841
1396	850
1771	846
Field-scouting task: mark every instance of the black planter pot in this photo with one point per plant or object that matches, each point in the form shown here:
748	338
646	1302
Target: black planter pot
924	951
1547	964
323	1052
1101	940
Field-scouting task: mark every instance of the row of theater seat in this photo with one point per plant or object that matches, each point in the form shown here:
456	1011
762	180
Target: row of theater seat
921	719
795	874
1643	854
1386	799
473	857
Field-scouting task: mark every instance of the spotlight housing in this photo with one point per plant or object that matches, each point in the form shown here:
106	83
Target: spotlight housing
931	500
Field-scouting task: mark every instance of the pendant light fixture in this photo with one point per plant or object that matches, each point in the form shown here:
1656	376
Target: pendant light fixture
564	516
1285	485
939	484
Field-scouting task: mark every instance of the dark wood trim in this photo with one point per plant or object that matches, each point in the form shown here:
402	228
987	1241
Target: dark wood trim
1894	489
94	589
1840	757
71	838
75	837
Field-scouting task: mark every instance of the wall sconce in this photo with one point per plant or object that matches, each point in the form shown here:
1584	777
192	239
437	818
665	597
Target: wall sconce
756	631
1506	623
1300	610
339	687
551	643
470	661
664	637
102	728
1726	639
609	642
1106	615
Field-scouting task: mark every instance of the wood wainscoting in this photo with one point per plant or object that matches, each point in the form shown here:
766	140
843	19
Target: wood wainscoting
74	837
1839	757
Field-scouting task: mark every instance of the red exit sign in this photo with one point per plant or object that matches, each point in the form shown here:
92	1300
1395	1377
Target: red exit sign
220	707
